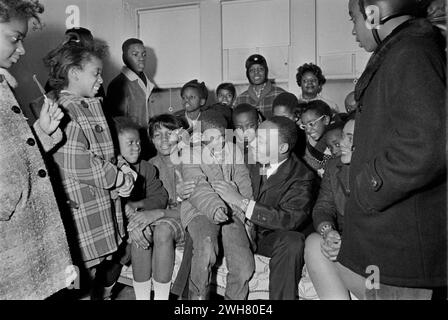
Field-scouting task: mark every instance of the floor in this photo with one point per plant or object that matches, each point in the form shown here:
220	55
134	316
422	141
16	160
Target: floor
123	292
120	292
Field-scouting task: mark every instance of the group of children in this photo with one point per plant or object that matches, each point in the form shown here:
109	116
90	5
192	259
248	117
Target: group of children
119	208
76	185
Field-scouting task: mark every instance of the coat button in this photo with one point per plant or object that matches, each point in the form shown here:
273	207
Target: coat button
31	142
374	183
72	204
99	128
16	109
42	173
114	161
84	104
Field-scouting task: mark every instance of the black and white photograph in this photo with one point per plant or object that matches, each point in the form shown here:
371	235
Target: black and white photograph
233	152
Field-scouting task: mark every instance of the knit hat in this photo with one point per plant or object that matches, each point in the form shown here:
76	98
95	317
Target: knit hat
201	87
256	59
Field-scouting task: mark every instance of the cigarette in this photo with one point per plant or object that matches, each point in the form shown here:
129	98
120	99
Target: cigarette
41	89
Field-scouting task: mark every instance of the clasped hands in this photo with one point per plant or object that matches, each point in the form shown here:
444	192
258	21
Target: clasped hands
330	245
229	193
139	224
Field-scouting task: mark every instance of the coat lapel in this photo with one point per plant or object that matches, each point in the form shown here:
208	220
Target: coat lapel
378	56
254	170
277	178
132	76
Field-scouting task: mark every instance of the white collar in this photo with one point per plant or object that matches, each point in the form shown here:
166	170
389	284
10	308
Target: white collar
132	76
192	122
12	82
273	168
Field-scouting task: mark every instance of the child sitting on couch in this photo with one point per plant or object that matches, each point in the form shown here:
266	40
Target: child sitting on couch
206	216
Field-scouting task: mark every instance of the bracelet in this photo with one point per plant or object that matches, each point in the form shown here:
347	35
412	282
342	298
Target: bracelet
325	229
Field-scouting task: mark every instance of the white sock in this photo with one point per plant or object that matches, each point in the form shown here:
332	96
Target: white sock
107	292
161	290
142	290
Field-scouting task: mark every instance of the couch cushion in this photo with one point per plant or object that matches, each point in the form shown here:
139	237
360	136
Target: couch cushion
258	285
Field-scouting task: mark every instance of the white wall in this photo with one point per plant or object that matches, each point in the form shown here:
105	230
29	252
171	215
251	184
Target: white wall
39	43
303	43
106	19
113	21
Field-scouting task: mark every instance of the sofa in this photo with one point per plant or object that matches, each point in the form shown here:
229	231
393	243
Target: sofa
258	285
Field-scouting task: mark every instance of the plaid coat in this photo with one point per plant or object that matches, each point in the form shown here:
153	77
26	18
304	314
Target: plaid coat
264	102
86	162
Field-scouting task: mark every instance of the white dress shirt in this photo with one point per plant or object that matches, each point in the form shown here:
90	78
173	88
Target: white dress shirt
269	172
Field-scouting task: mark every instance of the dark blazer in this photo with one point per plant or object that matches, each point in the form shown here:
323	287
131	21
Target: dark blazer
395	218
285	200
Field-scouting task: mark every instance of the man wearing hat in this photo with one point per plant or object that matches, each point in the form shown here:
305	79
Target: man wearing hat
262	91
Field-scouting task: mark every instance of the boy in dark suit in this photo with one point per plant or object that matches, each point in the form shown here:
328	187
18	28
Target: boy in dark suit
282	204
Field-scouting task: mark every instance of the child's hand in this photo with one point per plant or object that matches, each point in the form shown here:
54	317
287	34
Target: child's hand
227	191
184	189
50	116
320	173
137	236
142	219
220	216
330	245
129	211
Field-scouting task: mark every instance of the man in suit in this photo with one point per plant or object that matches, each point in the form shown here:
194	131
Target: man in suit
281	207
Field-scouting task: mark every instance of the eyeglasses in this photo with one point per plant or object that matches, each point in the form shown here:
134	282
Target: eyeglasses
310	125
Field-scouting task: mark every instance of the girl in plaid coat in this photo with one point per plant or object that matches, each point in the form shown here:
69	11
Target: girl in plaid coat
91	180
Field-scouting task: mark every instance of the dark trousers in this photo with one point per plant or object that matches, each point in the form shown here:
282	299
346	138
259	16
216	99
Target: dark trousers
180	285
285	249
